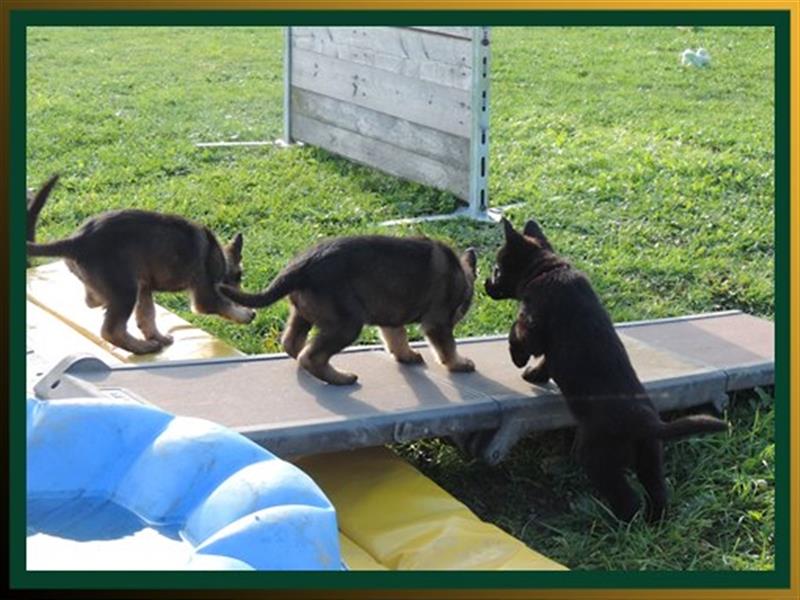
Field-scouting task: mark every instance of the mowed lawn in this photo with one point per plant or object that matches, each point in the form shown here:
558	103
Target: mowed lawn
655	179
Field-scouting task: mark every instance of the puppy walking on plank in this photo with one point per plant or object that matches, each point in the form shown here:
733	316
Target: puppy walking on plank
342	284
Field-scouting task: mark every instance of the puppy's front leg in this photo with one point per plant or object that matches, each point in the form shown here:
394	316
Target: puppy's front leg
538	373
524	343
517	343
146	317
396	341
440	336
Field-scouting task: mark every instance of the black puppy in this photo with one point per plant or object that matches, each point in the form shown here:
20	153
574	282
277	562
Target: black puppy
562	320
123	256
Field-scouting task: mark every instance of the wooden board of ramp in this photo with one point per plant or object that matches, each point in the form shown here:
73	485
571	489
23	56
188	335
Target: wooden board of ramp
686	361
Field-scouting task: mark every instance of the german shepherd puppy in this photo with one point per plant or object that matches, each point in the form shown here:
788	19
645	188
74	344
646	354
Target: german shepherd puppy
123	256
562	320
342	284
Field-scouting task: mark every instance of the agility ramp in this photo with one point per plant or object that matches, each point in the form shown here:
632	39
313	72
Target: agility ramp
682	362
390	515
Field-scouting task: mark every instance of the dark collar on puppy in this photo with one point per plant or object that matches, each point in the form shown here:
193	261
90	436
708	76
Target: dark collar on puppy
546	271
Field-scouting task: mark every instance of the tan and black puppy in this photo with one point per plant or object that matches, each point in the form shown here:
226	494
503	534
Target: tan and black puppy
562	320
123	256
342	284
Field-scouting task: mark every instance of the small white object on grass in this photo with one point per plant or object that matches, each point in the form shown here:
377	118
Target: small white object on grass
703	57
696	58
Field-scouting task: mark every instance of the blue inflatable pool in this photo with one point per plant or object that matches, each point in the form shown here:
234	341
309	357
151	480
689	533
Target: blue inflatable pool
121	485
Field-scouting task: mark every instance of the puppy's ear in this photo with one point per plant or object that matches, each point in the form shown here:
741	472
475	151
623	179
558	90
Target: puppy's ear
470	259
236	247
508	229
533	230
512	235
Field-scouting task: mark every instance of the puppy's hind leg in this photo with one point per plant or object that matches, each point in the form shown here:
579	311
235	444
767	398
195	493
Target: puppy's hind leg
604	461
120	302
441	338
146	317
331	338
295	333
396	341
650	472
92	299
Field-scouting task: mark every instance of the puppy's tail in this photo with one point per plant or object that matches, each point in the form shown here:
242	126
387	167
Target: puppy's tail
65	248
282	285
691	425
35	204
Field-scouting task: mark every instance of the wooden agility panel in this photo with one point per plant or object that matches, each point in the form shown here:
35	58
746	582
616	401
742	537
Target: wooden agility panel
410	101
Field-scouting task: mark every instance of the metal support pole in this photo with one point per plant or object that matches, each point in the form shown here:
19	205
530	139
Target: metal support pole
479	138
478	200
287	85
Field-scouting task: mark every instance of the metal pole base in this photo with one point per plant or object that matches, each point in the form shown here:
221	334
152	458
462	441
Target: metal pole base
277	143
490	215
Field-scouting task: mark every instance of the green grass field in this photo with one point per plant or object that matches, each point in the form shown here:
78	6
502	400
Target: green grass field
655	179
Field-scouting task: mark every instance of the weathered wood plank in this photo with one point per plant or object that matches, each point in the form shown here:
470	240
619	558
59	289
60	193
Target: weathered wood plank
401	42
436	106
412	63
456	32
375	153
438	145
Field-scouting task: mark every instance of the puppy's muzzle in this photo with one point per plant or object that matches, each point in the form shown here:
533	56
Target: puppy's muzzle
241	314
493	290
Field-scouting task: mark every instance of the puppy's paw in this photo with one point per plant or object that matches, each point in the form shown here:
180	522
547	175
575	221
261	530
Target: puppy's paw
412	357
236	313
536	374
461	365
654	513
143	346
341	378
519	356
163	339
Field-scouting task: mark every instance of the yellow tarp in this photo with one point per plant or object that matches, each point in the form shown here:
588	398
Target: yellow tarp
390	515
403	520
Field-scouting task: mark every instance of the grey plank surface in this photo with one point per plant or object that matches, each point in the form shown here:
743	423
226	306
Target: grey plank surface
739	345
274	391
499	378
419	139
373	152
271	400
437	106
722	341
